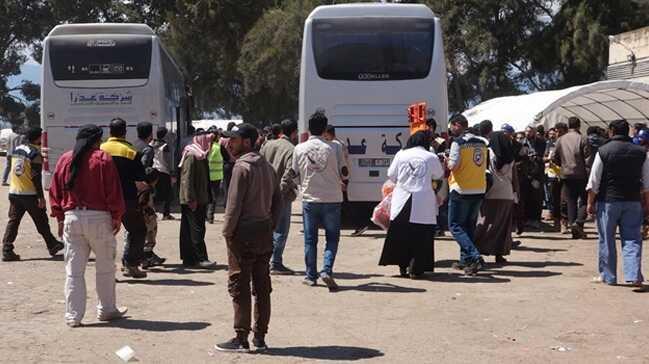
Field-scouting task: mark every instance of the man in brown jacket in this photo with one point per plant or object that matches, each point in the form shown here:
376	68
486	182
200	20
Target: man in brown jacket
253	208
571	152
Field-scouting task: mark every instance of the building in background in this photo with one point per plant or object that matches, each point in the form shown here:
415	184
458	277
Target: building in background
628	56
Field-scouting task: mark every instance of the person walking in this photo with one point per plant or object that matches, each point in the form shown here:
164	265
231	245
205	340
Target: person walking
571	153
26	196
215	160
493	235
618	187
533	179
131	175
253	210
163	163
317	165
194	198
279	153
467	163
87	201
14	139
147	156
413	211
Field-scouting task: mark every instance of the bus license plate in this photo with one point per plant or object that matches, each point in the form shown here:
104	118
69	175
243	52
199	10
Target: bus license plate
374	162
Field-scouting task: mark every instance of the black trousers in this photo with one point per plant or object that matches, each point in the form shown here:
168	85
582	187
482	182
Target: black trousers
18	205
192	235
575	192
164	193
215	189
134	224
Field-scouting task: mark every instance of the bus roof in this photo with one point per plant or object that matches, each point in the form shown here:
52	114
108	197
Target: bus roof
371	10
101	28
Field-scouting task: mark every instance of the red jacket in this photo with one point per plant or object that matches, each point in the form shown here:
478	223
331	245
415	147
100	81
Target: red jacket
97	186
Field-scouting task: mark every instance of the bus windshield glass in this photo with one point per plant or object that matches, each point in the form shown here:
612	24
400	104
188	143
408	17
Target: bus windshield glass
373	49
100	58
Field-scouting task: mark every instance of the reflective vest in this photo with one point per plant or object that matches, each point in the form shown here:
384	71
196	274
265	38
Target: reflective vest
216	162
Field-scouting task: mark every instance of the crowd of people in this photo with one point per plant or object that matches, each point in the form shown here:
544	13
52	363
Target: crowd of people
484	186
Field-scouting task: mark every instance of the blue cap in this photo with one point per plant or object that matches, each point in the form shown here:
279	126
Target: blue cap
507	128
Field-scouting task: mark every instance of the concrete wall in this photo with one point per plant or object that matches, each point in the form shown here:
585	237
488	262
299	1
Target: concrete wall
619	65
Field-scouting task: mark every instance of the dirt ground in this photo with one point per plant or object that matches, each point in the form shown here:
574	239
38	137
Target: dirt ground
540	308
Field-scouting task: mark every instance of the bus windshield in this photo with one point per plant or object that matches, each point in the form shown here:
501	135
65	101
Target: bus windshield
100	58
373	49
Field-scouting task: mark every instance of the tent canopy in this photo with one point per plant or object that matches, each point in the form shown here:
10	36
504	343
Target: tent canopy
596	104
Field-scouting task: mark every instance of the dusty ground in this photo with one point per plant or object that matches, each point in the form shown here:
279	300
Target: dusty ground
540	308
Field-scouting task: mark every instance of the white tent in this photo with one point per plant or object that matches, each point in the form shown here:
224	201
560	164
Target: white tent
596	104
207	123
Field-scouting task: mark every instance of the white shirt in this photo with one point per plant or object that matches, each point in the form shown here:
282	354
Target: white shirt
413	171
596	171
317	164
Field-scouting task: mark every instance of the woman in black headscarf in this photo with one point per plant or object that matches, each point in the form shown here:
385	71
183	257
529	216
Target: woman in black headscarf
493	234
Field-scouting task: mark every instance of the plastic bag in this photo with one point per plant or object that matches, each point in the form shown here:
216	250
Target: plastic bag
381	214
387	188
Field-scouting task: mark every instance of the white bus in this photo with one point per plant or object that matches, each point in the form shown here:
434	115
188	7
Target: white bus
364	64
93	73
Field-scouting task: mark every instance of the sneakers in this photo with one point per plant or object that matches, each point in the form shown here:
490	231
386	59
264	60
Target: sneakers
280	270
577	232
329	281
73	324
152	260
259	343
57	247
235	345
133	271
309	282
113	315
473	268
10	256
359	231
206	264
457	266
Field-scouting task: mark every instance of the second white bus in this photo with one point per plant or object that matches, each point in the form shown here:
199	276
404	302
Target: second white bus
364	64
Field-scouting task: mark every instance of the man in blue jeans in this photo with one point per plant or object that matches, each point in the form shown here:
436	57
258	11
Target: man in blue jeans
317	165
617	187
279	153
467	185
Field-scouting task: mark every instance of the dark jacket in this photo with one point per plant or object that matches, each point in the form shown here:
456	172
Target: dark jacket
128	163
622	172
571	153
194	181
254	204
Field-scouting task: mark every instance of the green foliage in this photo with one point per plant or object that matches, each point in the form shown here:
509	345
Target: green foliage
242	57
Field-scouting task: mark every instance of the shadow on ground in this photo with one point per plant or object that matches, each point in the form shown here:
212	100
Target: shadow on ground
381	288
148	325
180	269
167	282
333	352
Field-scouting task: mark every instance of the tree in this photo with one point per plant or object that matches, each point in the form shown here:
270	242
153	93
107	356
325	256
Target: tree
270	62
22	24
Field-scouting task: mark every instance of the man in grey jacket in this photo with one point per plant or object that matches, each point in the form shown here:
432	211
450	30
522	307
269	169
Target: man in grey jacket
252	212
279	153
572	151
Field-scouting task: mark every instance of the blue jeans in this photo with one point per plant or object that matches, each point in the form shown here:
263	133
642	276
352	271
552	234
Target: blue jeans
281	234
328	216
628	217
462	218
